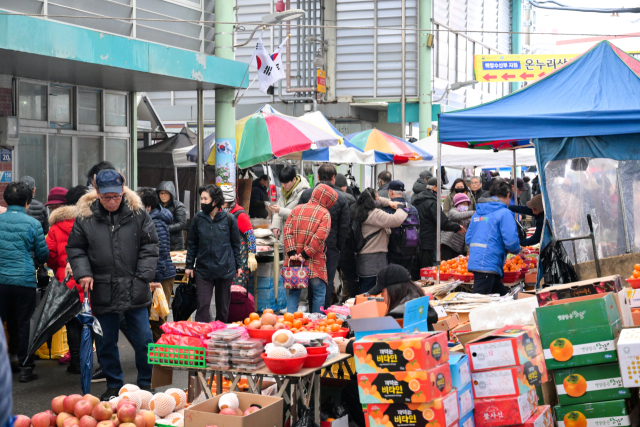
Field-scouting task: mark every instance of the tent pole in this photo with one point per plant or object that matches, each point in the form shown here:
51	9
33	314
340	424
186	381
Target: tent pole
438	210
393	171
624	214
515	183
175	172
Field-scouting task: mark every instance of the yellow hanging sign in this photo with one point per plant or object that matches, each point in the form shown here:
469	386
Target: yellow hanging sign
322	81
517	68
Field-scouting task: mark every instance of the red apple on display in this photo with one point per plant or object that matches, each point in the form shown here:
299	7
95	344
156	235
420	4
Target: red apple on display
22	421
149	418
125	401
228	411
102	412
115	420
105	424
91	399
56	404
127	425
61	417
71	421
69	402
139	421
251	410
82	408
239	411
52	417
40	420
127	413
87	421
113	407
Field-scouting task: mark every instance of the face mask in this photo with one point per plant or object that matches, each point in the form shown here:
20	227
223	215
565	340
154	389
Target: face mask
207	207
463	208
459	190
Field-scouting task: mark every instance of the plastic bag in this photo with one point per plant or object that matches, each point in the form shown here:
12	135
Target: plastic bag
169	339
185	301
188	328
159	306
333	349
330	409
306	418
558	269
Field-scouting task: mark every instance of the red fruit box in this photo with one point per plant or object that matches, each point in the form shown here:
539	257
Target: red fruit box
542	418
512	345
441	412
512	381
505	411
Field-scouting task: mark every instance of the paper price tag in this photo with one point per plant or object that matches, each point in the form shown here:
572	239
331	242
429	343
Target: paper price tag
440	311
493	383
492	355
451	408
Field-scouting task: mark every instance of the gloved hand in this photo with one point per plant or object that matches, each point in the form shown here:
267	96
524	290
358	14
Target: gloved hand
253	264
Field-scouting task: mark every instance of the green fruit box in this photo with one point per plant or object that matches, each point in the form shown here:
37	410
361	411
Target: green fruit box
512	381
590	384
383	353
505	411
512	345
579	331
405	387
613	413
441	412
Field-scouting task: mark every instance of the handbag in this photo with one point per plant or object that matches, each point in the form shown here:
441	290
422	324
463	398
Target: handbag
185	301
294	277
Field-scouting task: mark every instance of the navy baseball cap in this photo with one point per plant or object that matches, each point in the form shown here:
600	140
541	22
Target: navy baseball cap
109	181
396	185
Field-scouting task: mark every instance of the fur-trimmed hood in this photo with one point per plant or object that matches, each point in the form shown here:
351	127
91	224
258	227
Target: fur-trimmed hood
86	202
63	213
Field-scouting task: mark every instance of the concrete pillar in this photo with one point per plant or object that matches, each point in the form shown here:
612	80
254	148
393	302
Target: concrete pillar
133	103
330	36
516	38
424	68
225	114
200	126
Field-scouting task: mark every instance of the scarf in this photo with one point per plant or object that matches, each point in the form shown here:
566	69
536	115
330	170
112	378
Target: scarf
286	194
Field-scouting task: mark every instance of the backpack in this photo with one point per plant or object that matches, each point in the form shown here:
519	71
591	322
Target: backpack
404	240
358	241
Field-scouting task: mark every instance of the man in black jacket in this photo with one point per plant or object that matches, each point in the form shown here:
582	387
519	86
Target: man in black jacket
427	205
113	252
36	209
421	184
167	193
259	195
340	224
347	262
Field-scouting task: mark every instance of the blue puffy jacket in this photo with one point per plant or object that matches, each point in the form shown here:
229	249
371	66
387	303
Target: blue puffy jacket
22	244
492	233
162	218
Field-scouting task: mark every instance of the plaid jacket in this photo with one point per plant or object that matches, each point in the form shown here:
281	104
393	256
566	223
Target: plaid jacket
307	228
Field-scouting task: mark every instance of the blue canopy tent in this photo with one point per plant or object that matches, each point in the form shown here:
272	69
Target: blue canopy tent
578	118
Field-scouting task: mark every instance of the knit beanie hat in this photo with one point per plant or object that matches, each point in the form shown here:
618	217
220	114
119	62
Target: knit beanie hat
460	198
228	192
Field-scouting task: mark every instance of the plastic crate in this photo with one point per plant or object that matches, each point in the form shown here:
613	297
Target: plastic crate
177	355
59	346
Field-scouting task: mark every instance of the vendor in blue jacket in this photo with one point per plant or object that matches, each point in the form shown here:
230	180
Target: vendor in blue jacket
492	233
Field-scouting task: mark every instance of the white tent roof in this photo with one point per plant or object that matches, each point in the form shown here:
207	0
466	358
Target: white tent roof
180	158
467	157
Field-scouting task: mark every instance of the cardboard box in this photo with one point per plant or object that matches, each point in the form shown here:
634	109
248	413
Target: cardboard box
512	381
465	400
624	308
613	413
590	384
634	297
405	387
442	411
579	289
400	352
543	417
512	345
367	321
579	331
629	357
466	421
380	304
635	316
505	411
447	323
207	413
460	373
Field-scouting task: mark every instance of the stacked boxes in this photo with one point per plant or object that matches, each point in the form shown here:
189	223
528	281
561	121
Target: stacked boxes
506	367
579	340
461	381
405	380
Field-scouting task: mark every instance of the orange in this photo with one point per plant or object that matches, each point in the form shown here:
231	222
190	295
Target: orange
331	316
561	350
289	317
636	274
247	321
339	322
288	324
408	354
636	267
428	414
575	385
297	324
267	310
254	316
414	385
331	321
335	327
305	321
298	314
575	419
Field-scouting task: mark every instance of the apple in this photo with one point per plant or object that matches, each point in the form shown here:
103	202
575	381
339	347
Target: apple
149	418
239	411
71	421
70	401
105	424
255	324
251	410
268	319
266	327
127	413
52	417
40	420
61	417
279	326
228	411
88	421
22	421
56	404
92	399
82	408
115	420
139	421
102	412
124	401
127	425
114	407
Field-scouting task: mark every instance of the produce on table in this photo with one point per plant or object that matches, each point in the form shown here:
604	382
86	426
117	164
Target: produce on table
229	400
515	263
455	265
298	350
294	322
636	272
179	396
22	421
145	398
282	338
133	396
278	353
162	404
128	388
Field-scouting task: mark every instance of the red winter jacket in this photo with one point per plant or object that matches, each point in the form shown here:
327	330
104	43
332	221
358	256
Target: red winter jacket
61	220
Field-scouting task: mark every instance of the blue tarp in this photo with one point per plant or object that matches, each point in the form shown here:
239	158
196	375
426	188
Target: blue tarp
598	93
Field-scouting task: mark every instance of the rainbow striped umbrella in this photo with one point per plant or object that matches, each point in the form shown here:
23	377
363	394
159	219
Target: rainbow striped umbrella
374	139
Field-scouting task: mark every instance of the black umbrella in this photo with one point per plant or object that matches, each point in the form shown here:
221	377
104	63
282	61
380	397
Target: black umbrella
59	305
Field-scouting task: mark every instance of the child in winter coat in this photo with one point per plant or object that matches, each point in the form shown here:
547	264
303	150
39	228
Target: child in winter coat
453	243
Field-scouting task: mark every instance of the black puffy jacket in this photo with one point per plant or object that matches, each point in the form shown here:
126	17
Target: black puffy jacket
161	219
39	211
179	213
214	246
340	216
427	207
119	251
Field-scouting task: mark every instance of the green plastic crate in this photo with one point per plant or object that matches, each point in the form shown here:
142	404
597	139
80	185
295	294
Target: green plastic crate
177	355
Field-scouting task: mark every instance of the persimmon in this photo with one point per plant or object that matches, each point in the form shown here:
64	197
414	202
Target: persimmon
254	316
575	419
331	316
561	349
298	314
289	317
575	385
297	324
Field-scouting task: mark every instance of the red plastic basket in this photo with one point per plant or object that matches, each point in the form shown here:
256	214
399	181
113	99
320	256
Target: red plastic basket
284	366
463	277
342	333
634	283
446	276
315	360
511	276
523	272
318	350
262	334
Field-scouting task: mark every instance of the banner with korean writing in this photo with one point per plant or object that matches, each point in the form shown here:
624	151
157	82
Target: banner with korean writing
517	68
